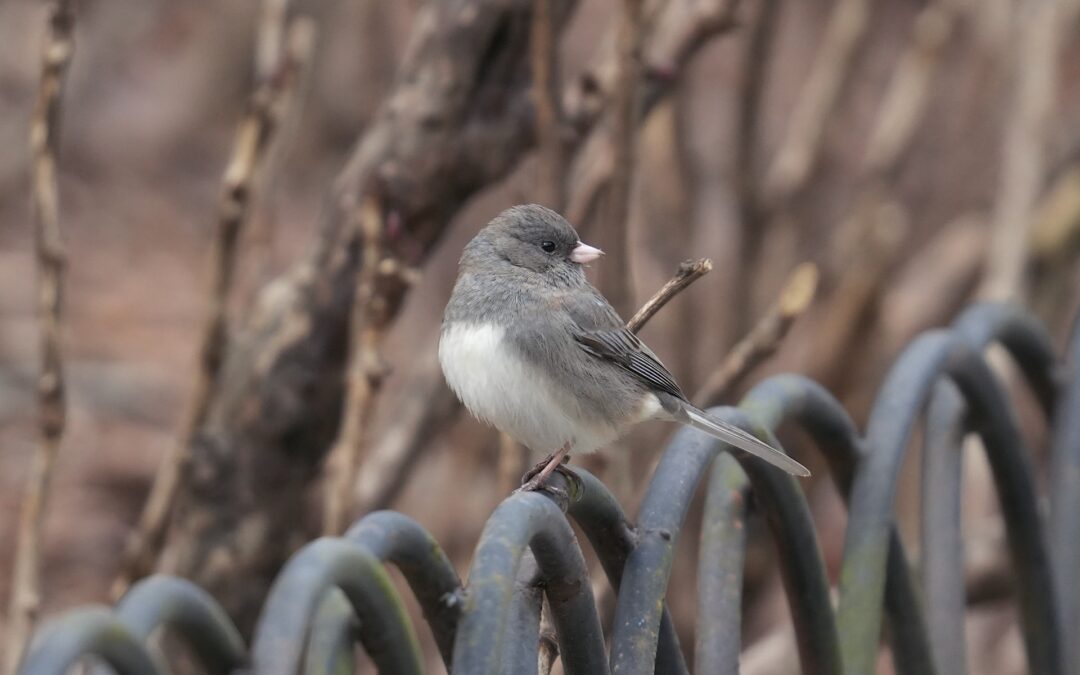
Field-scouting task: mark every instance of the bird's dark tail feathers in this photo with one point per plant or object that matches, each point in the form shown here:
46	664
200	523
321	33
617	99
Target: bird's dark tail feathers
732	434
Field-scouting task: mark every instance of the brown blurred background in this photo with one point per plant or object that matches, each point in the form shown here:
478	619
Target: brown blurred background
960	181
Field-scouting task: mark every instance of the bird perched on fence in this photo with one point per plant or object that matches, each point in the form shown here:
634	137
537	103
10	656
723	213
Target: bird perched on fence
533	349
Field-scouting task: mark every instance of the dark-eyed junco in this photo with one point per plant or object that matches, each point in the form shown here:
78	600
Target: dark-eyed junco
530	347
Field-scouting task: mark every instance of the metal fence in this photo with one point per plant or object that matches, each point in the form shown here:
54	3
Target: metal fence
335	592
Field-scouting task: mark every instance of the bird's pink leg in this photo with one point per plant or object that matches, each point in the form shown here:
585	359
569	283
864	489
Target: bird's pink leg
534	480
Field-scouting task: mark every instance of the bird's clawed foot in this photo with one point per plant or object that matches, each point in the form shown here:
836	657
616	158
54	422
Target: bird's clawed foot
536	477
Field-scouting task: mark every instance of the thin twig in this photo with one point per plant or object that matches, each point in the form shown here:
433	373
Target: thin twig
261	228
44	133
545	92
764	339
253	137
689	271
548	652
366	371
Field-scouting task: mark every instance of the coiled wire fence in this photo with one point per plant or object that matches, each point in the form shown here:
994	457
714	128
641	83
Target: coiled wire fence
335	592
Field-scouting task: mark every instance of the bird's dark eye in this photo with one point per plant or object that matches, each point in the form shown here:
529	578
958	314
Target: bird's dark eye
548	246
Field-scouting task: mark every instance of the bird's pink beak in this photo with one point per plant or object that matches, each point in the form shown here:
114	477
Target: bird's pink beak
583	253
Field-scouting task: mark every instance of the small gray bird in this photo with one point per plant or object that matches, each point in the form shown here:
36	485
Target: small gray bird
531	348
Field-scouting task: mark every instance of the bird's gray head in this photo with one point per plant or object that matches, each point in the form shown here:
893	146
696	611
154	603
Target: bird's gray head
533	238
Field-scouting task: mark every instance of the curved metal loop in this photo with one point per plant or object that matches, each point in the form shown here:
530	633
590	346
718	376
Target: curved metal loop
534	521
798	399
322	565
648	569
721	559
331	642
1024	337
1065	501
85	632
523	641
942	549
1027	342
612	537
161	601
931	356
400	540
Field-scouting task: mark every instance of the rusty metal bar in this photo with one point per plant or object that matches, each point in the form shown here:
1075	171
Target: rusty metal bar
283	627
188	611
900	401
534	521
89	631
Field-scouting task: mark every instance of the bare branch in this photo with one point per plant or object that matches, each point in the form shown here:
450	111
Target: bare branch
270	38
908	93
1023	162
799	151
689	271
370	318
427	409
615	276
765	337
545	93
675	35
253	138
51	261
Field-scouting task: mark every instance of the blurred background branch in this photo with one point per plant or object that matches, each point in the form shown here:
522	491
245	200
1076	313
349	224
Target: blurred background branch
26	585
254	136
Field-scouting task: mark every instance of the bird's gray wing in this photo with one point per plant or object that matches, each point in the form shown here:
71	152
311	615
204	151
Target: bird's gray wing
601	333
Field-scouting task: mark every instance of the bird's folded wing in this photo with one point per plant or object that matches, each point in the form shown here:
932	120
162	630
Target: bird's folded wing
624	349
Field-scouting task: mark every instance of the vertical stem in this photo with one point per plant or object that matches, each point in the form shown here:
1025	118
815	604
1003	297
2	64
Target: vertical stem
545	92
1023	170
239	184
51	260
615	278
365	373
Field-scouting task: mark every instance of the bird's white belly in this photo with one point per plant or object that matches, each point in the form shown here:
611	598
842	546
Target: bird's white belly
509	393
